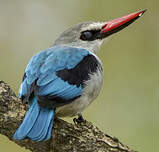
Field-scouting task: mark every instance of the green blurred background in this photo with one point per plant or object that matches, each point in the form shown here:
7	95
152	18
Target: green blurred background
128	105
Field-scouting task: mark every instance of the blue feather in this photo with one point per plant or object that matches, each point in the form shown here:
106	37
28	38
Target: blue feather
37	124
60	88
42	68
41	125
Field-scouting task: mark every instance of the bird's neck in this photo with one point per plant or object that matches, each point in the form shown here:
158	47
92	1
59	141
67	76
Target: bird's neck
92	50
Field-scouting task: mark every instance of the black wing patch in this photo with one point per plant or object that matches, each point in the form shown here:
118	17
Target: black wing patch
80	73
53	101
76	76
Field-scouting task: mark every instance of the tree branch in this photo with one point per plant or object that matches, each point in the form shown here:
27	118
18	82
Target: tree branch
66	137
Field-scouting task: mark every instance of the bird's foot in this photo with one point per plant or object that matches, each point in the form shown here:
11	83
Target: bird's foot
79	120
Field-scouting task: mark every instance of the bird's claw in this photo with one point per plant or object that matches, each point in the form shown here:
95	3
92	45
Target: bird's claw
79	120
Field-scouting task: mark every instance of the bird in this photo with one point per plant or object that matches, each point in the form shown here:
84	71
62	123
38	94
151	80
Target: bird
64	79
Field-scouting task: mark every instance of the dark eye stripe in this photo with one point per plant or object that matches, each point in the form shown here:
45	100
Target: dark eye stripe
90	35
86	35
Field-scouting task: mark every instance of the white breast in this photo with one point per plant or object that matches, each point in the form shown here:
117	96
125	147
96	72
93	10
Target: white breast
89	93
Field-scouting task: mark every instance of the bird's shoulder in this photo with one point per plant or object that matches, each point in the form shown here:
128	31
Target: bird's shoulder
53	59
57	73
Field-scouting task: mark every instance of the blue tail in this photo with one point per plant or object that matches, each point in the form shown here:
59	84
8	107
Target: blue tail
37	124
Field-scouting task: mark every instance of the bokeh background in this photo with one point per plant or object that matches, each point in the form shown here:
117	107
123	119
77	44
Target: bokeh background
128	105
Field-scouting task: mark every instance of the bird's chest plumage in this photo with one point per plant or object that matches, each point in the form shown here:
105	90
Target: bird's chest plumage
92	79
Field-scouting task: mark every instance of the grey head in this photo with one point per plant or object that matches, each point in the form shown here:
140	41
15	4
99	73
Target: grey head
84	35
90	35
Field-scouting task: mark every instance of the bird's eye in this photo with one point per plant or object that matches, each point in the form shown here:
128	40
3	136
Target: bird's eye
86	35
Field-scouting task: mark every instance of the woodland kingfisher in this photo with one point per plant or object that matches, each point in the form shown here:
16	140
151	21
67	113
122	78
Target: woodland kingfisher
64	79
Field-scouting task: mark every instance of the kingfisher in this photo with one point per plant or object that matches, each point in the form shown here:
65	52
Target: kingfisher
64	79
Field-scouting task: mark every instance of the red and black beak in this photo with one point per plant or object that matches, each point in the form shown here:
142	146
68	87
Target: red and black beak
118	24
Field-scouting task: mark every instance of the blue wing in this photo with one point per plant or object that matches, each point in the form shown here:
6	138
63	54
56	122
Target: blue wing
45	82
41	76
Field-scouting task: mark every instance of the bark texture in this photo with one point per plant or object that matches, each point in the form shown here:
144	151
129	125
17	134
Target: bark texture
66	137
